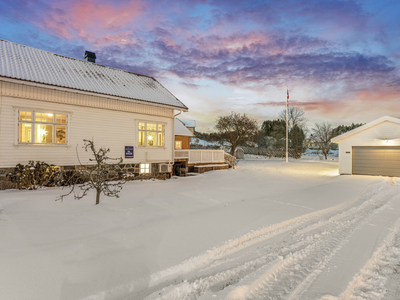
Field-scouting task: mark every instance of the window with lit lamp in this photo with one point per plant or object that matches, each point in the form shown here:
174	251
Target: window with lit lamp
151	134
38	127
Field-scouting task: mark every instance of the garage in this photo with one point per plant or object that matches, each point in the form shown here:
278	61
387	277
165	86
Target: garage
371	149
383	161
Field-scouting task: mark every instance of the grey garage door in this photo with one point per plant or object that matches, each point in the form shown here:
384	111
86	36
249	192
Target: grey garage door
376	161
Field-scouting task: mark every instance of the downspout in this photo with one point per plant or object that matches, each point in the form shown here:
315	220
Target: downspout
180	111
173	142
1	108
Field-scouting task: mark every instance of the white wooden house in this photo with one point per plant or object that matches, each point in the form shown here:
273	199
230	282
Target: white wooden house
49	103
371	149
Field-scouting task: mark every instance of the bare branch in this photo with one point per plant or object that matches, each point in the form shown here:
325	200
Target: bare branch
102	176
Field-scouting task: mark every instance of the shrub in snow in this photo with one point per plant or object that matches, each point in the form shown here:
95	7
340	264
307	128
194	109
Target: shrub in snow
104	177
35	175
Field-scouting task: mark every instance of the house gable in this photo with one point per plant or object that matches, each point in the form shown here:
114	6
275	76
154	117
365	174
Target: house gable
367	126
38	66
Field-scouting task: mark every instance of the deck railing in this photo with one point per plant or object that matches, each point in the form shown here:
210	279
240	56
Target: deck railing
201	156
230	160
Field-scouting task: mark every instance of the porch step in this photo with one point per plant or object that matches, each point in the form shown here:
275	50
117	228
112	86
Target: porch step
212	167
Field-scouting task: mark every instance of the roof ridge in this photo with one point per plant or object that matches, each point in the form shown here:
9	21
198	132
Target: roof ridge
77	59
366	126
35	65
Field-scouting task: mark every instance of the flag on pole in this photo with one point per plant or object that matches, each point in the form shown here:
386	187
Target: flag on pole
287	125
287	100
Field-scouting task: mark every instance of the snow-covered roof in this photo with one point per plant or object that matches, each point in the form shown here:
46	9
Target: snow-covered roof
180	129
189	123
30	64
364	127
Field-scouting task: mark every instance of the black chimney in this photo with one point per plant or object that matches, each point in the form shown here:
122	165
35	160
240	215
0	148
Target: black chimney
90	56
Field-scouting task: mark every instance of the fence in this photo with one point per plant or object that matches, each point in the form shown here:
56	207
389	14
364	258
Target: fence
281	153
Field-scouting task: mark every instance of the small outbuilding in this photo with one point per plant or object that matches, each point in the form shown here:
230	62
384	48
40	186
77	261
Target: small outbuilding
371	149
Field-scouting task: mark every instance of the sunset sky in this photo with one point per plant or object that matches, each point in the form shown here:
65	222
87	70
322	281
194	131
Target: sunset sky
339	59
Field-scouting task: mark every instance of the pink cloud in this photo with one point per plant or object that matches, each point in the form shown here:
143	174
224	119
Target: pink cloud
321	105
232	42
355	107
91	20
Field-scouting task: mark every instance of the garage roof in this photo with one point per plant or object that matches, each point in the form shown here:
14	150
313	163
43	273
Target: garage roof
364	127
34	65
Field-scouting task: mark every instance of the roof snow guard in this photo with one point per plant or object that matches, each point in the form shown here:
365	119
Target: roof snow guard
30	64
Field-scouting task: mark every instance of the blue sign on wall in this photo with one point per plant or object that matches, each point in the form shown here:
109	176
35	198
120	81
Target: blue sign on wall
129	151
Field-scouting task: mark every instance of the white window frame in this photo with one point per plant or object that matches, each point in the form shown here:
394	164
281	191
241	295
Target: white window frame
145	168
145	130
34	122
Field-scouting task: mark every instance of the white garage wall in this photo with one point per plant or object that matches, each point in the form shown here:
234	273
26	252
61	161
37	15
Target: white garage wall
372	136
110	128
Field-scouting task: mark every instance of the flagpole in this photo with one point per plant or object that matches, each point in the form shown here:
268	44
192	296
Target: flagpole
287	125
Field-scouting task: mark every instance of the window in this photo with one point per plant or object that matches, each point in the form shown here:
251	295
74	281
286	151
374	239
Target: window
42	127
178	145
151	134
144	168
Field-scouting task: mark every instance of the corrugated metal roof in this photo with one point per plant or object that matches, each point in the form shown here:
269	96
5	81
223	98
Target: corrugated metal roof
26	63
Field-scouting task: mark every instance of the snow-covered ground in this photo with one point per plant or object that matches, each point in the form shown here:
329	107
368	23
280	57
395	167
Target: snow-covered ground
267	230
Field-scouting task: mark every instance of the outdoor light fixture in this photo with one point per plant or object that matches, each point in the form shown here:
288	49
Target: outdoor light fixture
387	142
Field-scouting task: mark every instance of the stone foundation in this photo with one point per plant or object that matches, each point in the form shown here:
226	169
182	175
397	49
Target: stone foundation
124	168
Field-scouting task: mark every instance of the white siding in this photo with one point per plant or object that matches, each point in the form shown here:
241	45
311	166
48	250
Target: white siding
373	136
111	128
73	97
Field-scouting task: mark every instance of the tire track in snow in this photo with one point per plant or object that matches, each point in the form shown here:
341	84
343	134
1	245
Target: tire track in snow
291	276
371	281
304	254
238	258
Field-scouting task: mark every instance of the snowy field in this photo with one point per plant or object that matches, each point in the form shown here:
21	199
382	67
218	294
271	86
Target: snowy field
267	230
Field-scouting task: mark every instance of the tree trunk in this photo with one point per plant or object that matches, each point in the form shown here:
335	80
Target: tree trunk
98	196
326	154
233	148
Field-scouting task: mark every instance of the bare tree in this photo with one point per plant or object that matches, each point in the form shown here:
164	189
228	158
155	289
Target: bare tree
103	177
236	130
322	135
295	115
297	126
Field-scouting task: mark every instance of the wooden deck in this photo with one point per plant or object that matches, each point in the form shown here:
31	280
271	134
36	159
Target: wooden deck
210	167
